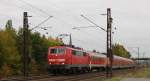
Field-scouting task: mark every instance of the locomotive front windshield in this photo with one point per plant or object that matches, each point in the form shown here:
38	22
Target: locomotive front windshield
57	51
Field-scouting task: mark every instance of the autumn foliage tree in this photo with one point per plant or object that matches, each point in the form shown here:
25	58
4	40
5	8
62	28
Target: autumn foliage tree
9	56
11	50
120	50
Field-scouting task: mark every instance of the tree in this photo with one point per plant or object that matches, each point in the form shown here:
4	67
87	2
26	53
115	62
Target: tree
120	50
40	46
9	52
9	24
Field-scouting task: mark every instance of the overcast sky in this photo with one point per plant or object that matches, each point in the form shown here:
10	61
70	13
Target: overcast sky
130	17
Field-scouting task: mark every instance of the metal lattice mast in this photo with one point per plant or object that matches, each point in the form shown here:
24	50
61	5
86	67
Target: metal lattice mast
25	45
109	43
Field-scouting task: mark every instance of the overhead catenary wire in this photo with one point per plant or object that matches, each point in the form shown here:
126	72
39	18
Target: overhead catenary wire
15	5
83	27
72	14
66	11
89	34
92	43
20	6
78	41
5	15
64	21
133	49
93	23
30	5
40	10
41	23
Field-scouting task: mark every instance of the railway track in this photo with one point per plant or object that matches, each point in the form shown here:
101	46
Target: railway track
74	77
71	77
84	76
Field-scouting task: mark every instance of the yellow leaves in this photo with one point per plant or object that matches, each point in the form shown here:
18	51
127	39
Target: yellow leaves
9	52
8	44
5	70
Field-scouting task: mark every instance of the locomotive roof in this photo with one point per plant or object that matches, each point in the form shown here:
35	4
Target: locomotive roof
73	48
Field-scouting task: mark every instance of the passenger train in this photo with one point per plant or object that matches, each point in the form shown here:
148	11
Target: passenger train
64	59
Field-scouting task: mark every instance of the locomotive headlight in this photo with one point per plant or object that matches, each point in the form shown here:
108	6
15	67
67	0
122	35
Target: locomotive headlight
62	63
62	60
54	60
51	60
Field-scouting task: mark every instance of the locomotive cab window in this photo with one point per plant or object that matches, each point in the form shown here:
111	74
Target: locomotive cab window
53	51
57	51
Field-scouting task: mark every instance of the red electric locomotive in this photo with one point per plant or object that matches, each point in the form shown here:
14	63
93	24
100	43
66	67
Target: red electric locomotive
67	59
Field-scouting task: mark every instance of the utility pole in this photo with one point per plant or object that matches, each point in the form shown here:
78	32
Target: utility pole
138	56
25	45
109	44
70	41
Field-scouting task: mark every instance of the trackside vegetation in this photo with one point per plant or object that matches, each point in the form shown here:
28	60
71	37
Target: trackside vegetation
11	51
141	73
144	73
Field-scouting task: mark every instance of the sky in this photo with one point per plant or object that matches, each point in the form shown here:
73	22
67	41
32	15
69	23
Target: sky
130	17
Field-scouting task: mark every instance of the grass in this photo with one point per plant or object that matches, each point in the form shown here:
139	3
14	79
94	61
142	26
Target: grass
114	79
144	73
147	72
141	73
